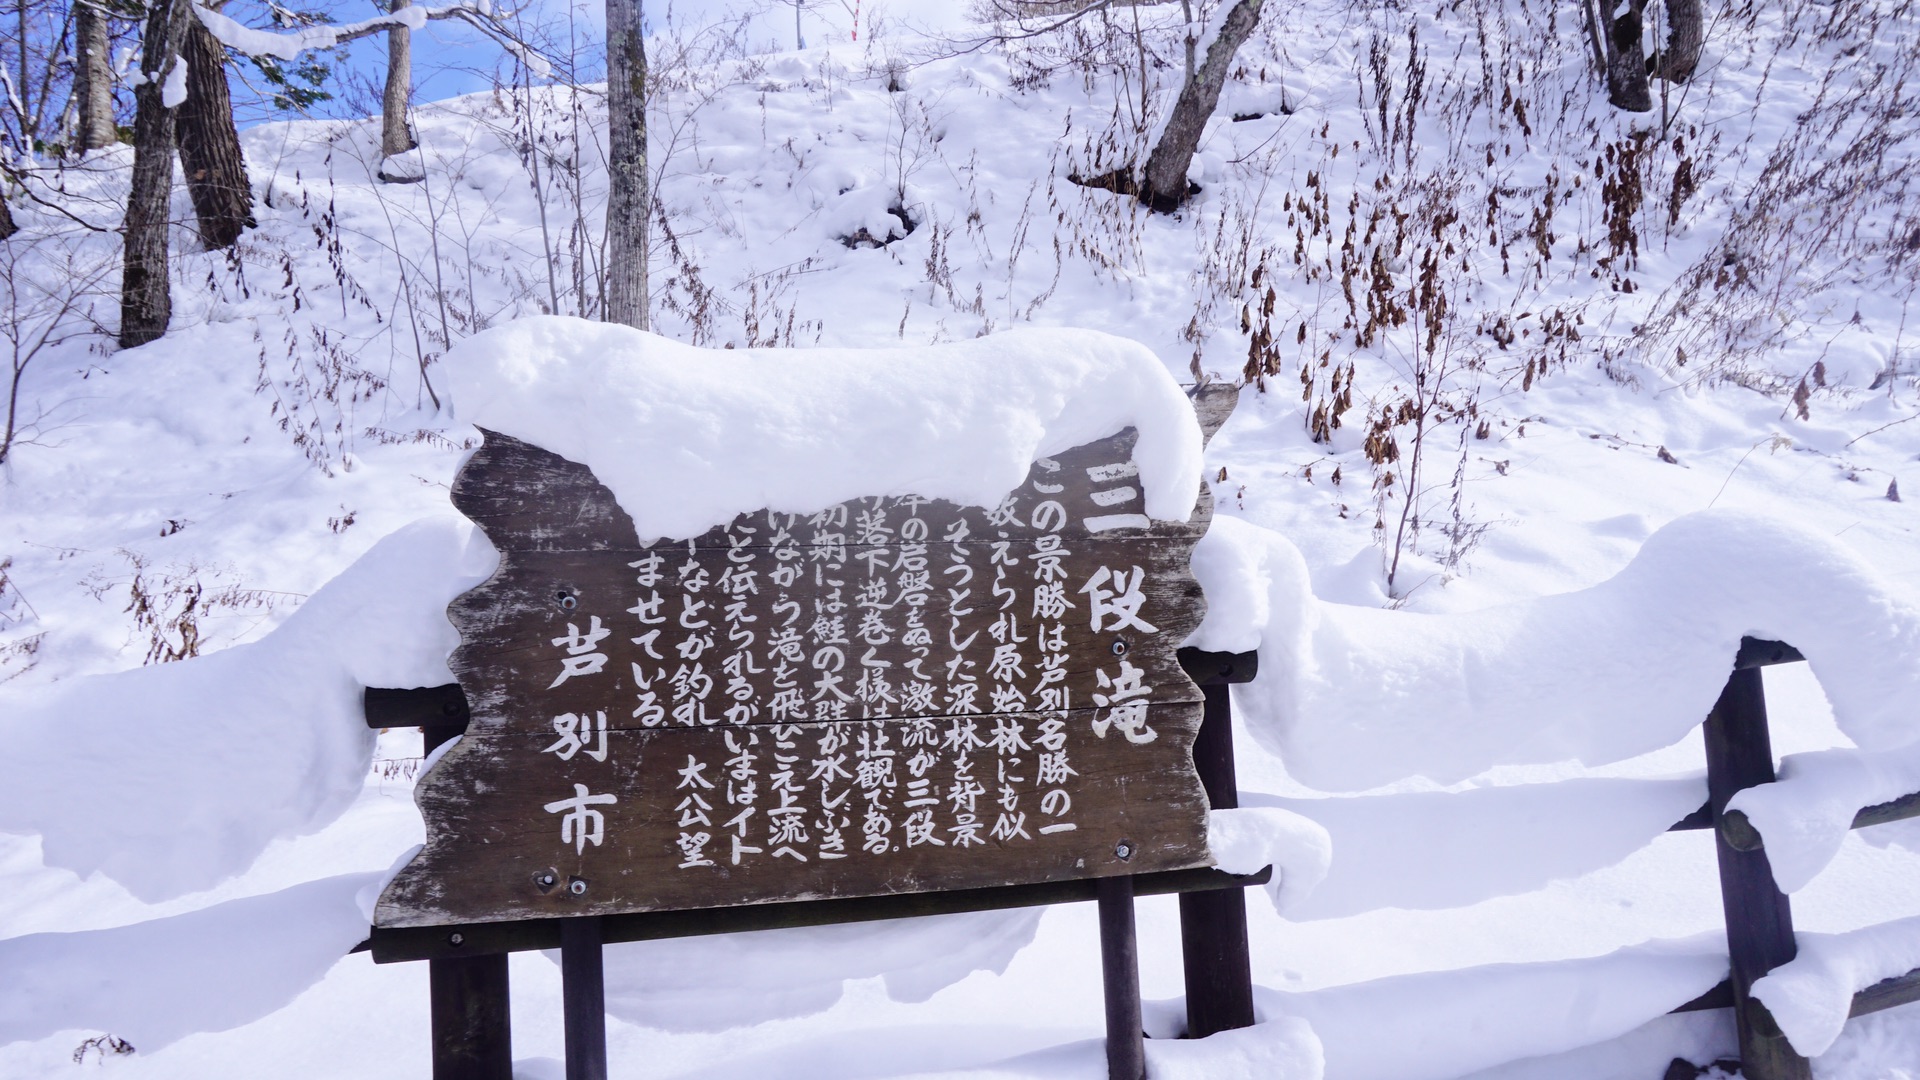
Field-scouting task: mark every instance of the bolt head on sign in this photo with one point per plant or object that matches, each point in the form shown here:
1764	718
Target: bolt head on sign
894	694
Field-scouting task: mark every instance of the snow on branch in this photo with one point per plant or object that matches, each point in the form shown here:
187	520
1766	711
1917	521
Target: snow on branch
289	45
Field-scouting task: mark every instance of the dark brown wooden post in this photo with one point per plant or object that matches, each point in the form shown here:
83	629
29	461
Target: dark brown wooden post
472	1038
472	1025
1213	925
583	997
1120	974
1759	918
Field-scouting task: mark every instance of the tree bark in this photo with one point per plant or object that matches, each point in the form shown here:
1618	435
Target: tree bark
1686	38
1164	185
7	225
93	78
209	144
1592	21
395	136
1627	85
626	254
145	306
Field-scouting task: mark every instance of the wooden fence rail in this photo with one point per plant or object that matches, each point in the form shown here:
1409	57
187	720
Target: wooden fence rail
1759	917
471	1037
470	993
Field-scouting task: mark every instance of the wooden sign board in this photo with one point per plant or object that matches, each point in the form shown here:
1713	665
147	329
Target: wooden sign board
892	695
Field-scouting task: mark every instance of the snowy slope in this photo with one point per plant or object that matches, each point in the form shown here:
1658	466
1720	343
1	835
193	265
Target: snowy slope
192	495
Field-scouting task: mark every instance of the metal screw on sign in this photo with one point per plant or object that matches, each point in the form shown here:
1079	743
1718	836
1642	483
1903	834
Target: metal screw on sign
567	602
456	939
1123	850
1119	648
577	887
546	880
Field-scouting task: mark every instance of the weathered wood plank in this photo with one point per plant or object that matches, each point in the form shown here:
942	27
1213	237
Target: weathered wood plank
403	945
1213	403
675	817
893	695
837	645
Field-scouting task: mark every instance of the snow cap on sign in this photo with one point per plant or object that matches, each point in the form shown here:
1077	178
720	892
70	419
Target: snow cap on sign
689	438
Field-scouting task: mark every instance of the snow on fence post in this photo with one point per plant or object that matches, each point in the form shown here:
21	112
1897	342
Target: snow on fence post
1759	916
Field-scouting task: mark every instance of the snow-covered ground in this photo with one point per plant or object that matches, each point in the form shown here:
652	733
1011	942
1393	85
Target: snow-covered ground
186	851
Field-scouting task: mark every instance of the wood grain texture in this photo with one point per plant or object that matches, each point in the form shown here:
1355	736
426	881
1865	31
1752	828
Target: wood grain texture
894	695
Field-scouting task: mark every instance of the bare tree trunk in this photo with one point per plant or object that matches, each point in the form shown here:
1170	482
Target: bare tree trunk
1593	36
626	288
1165	182
25	92
1627	85
210	145
7	225
395	137
145	306
93	77
1686	38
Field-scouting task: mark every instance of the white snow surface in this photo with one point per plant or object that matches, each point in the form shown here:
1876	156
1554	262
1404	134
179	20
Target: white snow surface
173	778
156	982
1446	1024
689	438
1357	697
405	167
735	980
1428	850
1811	994
1284	1048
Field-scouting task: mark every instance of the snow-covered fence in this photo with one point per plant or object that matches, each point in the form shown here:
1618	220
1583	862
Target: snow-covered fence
470	994
1759	916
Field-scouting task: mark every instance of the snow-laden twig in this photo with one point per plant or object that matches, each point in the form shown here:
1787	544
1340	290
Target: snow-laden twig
289	45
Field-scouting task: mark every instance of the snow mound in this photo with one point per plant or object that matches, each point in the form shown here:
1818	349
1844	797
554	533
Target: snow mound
1282	1049
1245	839
156	982
1428	850
1439	1025
1805	815
736	980
689	438
1237	564
171	779
1354	698
1811	995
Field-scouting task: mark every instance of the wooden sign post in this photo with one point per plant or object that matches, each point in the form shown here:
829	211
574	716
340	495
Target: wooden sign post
890	696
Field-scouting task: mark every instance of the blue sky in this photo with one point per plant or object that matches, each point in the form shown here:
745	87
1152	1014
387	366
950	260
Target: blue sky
451	58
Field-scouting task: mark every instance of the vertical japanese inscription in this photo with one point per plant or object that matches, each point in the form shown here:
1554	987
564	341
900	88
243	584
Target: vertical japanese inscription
891	694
